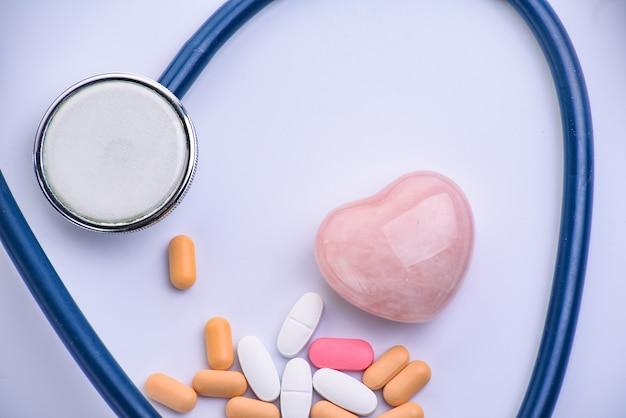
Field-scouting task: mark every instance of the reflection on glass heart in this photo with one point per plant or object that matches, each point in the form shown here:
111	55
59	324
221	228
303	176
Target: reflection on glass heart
402	253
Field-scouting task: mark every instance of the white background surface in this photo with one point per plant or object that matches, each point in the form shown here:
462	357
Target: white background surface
310	105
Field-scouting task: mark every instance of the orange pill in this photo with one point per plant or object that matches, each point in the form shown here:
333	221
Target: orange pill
386	367
325	409
406	383
407	410
219	343
241	407
170	392
219	383
182	259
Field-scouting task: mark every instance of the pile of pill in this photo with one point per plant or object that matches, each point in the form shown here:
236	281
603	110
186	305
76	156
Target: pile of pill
343	395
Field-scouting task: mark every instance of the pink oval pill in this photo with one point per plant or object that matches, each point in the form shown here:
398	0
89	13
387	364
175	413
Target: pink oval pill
347	354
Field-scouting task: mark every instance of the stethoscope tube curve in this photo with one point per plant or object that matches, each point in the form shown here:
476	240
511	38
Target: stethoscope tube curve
64	314
575	229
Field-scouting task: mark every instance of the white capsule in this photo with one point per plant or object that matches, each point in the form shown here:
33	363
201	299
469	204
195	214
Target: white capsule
258	367
345	391
300	324
296	391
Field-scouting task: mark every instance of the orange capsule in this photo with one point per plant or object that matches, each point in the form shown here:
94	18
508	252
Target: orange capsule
241	407
325	409
406	383
386	367
170	392
219	343
182	259
407	410
219	383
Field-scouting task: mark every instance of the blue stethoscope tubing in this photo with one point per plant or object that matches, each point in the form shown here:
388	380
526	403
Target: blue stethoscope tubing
573	243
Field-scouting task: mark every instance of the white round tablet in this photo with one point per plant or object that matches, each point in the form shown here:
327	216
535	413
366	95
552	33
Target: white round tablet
115	153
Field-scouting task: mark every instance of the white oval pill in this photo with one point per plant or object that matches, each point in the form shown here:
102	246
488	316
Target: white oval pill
296	391
258	367
300	324
345	391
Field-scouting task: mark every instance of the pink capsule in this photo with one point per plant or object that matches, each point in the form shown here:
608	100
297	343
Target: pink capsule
347	354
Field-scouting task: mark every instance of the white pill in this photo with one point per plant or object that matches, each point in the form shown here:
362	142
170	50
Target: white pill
258	367
296	391
345	391
300	324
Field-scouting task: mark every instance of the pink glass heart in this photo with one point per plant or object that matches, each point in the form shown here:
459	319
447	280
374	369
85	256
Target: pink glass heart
402	253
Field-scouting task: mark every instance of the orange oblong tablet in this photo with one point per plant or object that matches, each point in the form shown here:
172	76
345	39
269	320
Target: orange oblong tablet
219	383
386	367
407	410
326	409
407	383
242	407
219	343
182	260
170	392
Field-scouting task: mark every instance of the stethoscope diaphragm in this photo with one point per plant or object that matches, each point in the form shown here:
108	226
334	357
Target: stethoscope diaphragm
115	153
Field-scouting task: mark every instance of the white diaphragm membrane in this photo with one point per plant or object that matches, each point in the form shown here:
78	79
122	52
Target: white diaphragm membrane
115	153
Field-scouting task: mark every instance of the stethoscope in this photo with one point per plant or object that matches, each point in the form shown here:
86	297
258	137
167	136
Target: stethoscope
88	350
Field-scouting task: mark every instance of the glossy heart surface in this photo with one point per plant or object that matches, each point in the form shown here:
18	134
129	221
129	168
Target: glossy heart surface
402	253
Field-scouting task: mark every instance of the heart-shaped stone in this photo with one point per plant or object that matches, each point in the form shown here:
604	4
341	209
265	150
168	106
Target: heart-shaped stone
402	253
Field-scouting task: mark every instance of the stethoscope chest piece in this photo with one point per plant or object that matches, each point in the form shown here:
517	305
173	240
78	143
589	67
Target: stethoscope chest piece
115	153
